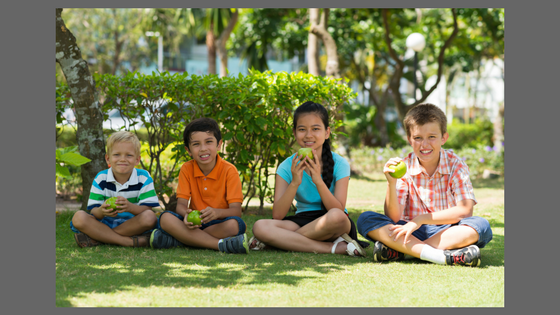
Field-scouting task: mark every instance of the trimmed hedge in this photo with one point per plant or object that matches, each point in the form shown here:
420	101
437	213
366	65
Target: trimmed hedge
254	110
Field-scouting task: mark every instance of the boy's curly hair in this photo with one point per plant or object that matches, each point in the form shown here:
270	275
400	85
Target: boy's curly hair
203	124
423	114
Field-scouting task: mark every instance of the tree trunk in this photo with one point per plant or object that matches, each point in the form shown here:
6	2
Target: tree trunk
211	45
313	44
332	69
221	43
89	117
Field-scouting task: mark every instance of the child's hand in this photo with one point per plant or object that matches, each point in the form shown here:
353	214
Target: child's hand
297	170
314	168
122	204
107	212
387	170
208	214
190	225
403	230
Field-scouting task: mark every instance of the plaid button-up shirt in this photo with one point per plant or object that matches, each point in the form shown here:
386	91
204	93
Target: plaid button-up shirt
421	194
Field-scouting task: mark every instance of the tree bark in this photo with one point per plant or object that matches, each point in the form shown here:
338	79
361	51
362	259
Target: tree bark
332	69
211	45
313	44
221	43
395	81
89	134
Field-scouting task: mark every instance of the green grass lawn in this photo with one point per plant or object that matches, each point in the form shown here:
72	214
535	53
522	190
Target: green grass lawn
130	277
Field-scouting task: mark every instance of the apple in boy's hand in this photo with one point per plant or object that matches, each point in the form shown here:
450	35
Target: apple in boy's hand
194	217
306	152
399	170
111	203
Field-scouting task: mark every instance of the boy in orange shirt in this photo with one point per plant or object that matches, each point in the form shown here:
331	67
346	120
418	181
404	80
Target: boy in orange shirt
211	185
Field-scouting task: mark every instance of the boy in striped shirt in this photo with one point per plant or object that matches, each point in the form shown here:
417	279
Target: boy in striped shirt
128	224
429	211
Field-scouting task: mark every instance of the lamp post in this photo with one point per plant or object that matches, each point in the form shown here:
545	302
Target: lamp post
416	42
160	48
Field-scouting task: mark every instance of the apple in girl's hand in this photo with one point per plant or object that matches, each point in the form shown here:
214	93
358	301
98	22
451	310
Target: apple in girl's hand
194	217
111	203
306	152
400	170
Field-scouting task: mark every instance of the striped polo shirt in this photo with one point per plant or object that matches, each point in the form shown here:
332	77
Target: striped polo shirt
139	189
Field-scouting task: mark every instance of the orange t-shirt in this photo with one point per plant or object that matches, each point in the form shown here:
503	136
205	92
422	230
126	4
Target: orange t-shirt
217	190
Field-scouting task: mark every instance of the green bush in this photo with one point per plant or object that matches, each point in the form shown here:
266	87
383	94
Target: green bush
469	135
254	111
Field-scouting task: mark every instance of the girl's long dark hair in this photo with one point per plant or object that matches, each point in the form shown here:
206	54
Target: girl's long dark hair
326	154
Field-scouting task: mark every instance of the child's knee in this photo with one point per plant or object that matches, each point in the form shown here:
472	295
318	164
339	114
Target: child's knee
337	218
80	218
148	218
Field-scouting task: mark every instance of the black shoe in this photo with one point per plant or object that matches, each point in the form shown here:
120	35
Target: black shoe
384	253
160	240
234	245
466	256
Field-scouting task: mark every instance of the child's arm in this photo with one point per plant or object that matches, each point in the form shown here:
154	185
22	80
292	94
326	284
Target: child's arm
452	215
102	211
463	209
284	192
209	214
183	207
338	200
123	205
391	207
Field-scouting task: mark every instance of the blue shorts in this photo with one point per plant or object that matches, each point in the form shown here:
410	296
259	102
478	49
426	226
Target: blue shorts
111	222
240	222
369	221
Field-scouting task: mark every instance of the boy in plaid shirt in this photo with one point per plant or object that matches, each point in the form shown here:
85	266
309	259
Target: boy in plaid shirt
428	212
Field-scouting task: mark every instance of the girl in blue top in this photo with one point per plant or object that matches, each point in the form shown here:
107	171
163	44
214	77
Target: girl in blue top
319	186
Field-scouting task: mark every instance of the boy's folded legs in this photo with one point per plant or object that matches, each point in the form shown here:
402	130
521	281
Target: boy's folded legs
375	227
172	232
116	231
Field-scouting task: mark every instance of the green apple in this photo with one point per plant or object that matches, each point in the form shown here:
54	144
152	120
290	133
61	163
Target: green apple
194	217
111	203
400	170
305	152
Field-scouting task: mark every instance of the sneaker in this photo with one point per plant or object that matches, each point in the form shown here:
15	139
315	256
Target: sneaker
234	245
160	240
466	256
384	253
255	244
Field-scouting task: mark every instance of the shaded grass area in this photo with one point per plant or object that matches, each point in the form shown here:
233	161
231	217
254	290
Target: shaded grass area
116	276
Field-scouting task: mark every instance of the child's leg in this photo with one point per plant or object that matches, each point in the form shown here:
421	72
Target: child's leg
469	231
311	237
138	224
195	237
98	231
224	229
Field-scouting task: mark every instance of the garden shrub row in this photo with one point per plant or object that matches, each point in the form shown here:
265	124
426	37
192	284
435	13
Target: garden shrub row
254	110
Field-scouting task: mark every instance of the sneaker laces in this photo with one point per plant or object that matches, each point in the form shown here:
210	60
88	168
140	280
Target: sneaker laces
391	253
459	259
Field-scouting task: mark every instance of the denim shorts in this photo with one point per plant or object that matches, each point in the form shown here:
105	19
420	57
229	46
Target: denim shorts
111	222
240	222
369	221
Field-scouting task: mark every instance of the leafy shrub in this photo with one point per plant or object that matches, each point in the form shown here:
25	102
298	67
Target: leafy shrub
469	135
254	111
482	157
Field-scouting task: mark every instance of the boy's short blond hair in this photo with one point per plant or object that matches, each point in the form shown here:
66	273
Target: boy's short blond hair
123	136
423	114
